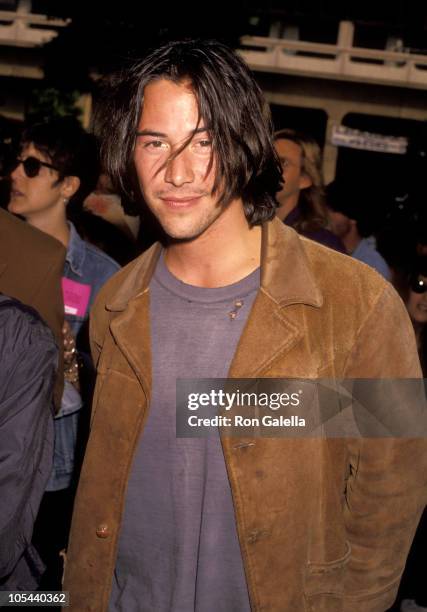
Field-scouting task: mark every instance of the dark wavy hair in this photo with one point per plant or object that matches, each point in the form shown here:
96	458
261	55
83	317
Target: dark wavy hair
72	150
230	103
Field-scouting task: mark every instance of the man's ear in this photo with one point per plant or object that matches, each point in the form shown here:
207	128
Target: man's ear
69	186
305	181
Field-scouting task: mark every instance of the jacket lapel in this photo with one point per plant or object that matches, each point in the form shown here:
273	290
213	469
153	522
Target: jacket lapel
267	335
274	325
131	331
130	326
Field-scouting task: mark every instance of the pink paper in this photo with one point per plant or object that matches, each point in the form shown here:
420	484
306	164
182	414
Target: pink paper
76	297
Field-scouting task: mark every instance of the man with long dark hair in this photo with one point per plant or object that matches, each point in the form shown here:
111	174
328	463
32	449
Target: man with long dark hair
167	523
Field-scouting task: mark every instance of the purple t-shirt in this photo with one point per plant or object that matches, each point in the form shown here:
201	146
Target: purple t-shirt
178	547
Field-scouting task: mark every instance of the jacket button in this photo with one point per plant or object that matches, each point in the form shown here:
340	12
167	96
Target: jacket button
102	531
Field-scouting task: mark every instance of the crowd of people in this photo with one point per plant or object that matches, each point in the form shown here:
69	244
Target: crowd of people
158	522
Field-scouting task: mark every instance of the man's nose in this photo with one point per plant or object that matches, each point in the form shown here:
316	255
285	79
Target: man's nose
179	169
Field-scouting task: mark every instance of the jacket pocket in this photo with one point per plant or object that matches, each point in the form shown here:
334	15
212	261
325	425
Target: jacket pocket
327	579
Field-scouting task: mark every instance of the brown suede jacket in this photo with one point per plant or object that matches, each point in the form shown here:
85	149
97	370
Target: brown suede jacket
324	524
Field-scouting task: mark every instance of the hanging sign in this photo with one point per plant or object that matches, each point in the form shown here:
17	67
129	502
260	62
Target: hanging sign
343	136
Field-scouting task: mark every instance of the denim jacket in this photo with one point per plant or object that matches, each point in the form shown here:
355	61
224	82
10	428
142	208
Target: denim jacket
86	269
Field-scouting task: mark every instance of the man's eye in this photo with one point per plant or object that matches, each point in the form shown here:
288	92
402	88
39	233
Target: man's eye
154	144
202	145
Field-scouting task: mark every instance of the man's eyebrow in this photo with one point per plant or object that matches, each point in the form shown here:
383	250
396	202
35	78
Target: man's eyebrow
199	130
151	133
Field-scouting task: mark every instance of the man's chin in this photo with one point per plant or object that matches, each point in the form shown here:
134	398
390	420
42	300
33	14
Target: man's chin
187	232
177	237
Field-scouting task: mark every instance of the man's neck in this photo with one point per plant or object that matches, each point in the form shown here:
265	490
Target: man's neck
55	226
225	253
287	205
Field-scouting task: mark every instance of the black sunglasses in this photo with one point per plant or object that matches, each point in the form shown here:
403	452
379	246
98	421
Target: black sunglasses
32	165
418	285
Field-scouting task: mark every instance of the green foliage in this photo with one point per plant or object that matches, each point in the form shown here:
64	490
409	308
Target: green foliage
51	103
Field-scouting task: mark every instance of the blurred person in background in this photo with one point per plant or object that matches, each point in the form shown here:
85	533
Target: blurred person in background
104	202
4	183
302	198
411	282
28	363
131	227
106	236
103	221
412	286
347	222
402	237
58	167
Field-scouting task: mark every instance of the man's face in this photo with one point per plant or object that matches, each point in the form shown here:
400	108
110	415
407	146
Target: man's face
178	191
339	224
39	195
290	155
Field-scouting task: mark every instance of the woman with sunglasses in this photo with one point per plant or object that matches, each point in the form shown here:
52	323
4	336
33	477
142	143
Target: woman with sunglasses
56	169
412	286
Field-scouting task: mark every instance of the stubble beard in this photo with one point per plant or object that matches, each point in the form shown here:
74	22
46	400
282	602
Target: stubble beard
189	225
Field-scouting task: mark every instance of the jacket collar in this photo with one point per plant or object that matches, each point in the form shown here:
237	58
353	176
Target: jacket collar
286	275
76	251
271	330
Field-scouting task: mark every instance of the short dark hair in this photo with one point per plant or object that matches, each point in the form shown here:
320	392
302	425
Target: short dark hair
230	103
70	149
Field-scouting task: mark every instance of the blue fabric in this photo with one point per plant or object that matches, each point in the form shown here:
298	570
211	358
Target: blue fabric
366	251
84	263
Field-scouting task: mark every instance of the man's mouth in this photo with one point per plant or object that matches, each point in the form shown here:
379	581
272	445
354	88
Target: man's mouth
181	202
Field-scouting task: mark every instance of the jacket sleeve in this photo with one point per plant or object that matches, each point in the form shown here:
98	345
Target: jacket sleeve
26	444
49	303
386	489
